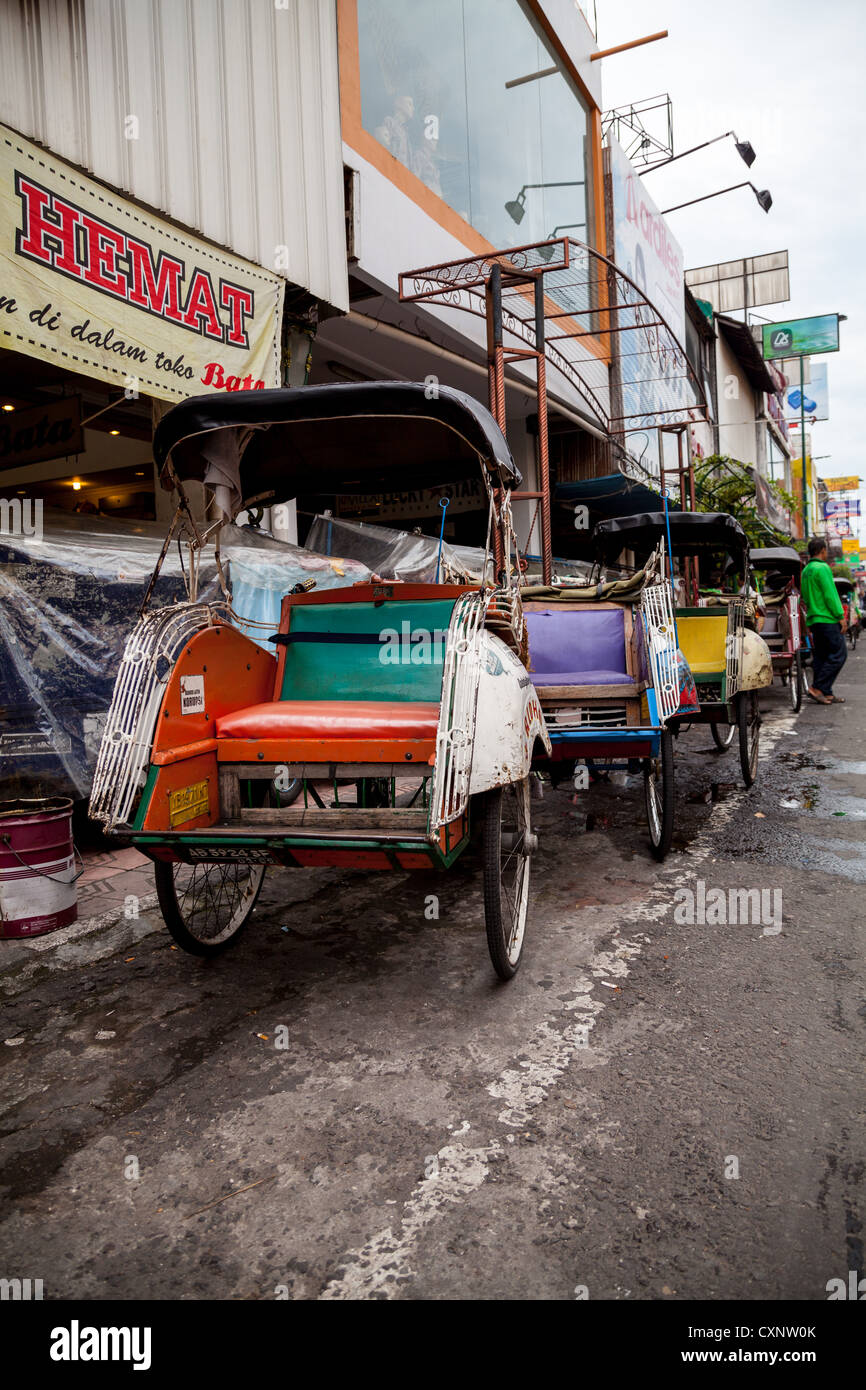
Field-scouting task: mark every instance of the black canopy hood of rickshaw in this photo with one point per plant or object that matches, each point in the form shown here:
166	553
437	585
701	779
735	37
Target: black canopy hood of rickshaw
690	532
845	585
780	557
363	437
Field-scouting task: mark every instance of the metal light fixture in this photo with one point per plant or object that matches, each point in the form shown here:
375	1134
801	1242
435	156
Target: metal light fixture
763	195
745	149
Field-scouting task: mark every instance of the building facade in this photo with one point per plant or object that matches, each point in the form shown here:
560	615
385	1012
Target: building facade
172	181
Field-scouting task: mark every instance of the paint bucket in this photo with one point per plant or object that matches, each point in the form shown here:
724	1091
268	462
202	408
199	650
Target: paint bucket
37	866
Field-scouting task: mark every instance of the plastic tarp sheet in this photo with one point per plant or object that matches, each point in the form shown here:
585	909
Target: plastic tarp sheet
391	554
67	604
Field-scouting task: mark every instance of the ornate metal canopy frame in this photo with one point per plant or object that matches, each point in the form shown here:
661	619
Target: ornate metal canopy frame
564	305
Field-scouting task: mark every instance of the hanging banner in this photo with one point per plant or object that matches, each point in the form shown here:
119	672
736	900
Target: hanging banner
769	505
653	380
93	283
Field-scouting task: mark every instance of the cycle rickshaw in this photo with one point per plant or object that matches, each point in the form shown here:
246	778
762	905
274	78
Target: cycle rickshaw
782	631
847	592
727	659
610	678
416	693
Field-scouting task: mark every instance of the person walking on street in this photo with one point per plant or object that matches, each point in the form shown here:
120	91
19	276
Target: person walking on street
825	618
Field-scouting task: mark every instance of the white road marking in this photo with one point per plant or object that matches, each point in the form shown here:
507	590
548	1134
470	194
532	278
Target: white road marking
385	1262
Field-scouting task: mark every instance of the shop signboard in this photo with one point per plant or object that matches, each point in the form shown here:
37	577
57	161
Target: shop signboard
95	284
851	546
801	336
846	484
842	507
815	397
41	432
413	505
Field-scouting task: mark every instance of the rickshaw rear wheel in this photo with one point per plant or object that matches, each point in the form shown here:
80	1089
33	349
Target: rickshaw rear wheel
749	727
658	782
507	845
795	683
723	735
206	906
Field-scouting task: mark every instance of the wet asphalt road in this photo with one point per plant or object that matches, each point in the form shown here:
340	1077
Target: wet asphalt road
653	1109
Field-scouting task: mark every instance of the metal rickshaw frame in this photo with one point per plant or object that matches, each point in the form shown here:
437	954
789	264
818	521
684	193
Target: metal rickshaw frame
727	688
846	589
786	644
205	725
619	724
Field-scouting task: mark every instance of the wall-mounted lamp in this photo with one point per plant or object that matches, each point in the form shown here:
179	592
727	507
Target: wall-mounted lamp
763	195
744	149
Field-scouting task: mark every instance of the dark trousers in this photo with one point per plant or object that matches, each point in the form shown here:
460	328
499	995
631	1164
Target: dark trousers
829	654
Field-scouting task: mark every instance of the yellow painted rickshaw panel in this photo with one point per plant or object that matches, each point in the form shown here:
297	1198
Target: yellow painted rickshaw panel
702	642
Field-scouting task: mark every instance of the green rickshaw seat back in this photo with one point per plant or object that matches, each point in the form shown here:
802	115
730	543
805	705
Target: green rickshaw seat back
366	651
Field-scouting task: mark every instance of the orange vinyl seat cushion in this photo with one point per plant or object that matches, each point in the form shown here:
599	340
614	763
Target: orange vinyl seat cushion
337	719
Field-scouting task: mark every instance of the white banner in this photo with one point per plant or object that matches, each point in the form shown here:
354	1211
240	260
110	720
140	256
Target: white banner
96	284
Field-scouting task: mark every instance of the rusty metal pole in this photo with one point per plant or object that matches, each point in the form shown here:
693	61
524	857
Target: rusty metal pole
543	443
496	380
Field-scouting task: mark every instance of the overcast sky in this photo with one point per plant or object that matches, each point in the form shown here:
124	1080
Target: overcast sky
789	76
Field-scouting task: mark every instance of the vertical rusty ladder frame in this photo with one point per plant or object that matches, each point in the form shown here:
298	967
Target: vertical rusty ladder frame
685	472
497	358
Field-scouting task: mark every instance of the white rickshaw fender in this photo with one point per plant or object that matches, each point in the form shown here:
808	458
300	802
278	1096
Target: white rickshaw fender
508	719
756	668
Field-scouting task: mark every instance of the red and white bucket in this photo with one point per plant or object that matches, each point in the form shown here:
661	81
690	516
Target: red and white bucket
37	866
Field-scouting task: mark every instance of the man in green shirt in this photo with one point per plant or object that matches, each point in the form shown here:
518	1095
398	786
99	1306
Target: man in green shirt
825	617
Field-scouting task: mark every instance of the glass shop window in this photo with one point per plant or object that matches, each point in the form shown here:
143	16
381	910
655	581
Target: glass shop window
435	93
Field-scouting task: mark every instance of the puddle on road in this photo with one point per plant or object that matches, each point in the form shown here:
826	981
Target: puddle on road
837	857
828	807
843	765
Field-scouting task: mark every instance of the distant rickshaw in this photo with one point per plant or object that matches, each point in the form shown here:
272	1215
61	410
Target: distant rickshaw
780	568
847	591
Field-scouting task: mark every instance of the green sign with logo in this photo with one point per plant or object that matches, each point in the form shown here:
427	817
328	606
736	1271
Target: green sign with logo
795	336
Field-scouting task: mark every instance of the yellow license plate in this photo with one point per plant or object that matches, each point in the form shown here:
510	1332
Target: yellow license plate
188	802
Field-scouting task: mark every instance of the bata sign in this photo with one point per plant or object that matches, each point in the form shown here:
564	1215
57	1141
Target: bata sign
93	283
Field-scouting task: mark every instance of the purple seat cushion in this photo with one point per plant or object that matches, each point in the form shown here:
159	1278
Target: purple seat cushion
577	647
579	678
